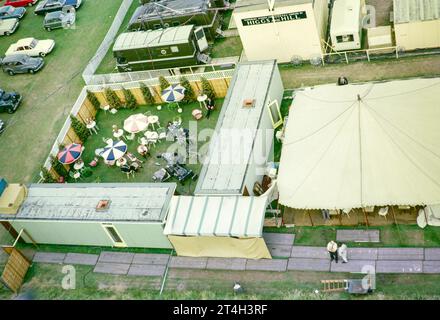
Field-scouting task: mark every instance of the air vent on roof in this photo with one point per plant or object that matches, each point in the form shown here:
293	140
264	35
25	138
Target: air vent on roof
103	205
248	103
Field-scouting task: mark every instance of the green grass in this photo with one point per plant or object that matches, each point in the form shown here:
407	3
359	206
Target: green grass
49	95
227	47
105	121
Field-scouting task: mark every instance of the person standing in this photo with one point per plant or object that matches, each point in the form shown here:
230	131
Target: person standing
342	252
209	107
332	249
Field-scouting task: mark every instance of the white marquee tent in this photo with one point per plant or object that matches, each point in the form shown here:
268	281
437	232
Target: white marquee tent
362	145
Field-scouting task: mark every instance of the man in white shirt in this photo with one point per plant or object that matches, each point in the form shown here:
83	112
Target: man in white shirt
332	249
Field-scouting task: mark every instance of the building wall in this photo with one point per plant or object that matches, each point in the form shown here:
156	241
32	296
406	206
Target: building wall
281	40
321	11
418	35
135	235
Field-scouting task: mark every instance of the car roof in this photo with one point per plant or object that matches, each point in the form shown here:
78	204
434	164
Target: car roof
25	41
53	14
14	57
5	8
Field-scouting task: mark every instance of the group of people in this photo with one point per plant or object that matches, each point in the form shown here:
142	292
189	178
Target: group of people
337	251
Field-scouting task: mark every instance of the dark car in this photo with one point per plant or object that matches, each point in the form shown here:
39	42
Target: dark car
9	12
9	101
21	63
58	19
55	5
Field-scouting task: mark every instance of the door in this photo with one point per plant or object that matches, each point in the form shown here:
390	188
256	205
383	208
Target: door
202	43
114	235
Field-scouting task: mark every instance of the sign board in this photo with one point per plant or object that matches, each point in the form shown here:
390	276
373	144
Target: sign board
277	17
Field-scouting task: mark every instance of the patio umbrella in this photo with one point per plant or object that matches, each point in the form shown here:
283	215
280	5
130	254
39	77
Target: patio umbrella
136	123
173	93
114	150
70	153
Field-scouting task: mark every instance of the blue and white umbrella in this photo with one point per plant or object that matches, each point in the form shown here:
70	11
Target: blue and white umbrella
114	150
173	93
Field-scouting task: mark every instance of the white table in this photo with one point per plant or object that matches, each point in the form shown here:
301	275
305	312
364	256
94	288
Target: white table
151	135
118	134
77	175
153	120
144	141
121	162
78	165
202	100
92	127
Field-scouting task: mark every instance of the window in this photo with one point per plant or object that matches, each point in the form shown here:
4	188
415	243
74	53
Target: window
275	114
174	49
114	235
346	38
200	34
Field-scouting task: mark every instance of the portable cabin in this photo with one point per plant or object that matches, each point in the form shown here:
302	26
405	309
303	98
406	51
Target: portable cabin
160	49
104	214
380	37
346	25
417	24
242	144
290	30
172	13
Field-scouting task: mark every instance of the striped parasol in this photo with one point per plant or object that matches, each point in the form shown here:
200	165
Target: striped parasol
173	93
136	123
70	153
114	150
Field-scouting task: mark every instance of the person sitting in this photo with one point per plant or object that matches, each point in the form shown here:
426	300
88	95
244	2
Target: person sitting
125	168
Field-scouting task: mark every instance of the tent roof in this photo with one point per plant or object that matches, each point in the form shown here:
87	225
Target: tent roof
383	149
416	10
229	216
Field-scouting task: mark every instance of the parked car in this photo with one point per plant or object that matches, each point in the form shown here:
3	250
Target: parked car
59	19
9	101
2	126
8	26
20	3
32	47
10	12
46	6
21	63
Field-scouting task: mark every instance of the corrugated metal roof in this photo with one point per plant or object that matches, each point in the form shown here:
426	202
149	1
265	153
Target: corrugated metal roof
153	38
345	16
231	146
229	216
416	10
141	202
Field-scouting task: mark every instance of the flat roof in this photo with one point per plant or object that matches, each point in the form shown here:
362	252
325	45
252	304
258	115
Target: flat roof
140	202
250	5
166	9
225	167
346	16
152	38
416	10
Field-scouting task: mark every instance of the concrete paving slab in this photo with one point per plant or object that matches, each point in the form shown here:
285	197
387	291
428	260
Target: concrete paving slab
309	252
286	239
432	254
116	257
81	259
226	264
432	266
151	258
153	270
362	254
357	235
188	262
49	257
400	254
277	250
306	264
353	266
398	266
111	268
267	265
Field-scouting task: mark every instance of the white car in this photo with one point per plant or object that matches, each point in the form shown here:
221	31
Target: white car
8	26
32	47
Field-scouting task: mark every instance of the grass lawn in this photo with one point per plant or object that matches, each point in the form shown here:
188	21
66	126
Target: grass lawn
105	121
226	47
48	96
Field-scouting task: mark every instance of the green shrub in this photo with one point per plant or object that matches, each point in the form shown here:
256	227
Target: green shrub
163	83
130	100
189	92
47	176
112	98
58	167
80	129
208	89
93	100
148	96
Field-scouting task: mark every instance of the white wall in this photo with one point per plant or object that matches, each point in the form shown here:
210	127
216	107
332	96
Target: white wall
418	35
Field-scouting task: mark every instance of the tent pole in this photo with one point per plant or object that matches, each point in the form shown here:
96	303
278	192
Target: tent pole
366	218
310	216
394	216
339	217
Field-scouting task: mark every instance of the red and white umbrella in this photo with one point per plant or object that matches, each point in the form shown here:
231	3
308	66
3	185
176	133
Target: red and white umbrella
136	123
70	153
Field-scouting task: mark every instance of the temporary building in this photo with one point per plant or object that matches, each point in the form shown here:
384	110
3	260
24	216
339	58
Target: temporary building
218	226
242	143
380	37
417	24
346	24
361	145
114	215
278	32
